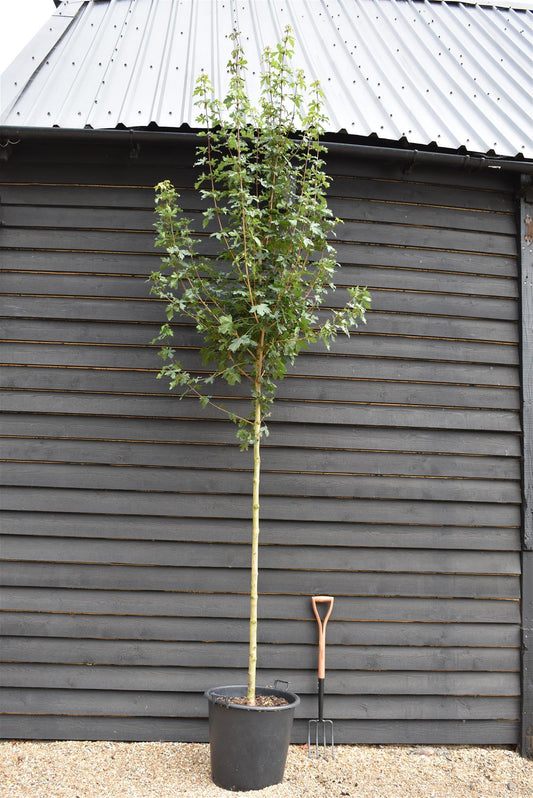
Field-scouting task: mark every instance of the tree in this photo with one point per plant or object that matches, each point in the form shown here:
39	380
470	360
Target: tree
257	303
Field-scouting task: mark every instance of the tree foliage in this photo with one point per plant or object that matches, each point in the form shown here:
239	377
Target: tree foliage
256	305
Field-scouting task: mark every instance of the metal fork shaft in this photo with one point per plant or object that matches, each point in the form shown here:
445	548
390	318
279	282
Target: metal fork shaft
321	699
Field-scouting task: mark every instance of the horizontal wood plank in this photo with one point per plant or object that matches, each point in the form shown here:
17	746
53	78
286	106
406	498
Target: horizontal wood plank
478	201
59	727
441	295
339	510
142	263
81	390
470	378
175	604
77	418
126	209
118	380
421	332
132	310
65	625
190	680
238	483
231	655
317	581
287	556
194	705
237	531
44	449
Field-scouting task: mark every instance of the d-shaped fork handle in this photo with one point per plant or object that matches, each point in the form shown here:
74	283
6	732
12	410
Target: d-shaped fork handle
322	621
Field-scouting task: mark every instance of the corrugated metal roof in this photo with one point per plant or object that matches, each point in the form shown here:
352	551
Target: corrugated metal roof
456	74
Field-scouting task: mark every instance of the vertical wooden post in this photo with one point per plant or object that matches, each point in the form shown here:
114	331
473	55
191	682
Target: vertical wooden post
526	261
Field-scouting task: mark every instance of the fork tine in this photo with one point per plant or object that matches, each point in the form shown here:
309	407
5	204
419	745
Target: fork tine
321	739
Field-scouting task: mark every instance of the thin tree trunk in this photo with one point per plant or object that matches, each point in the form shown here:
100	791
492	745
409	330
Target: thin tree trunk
252	660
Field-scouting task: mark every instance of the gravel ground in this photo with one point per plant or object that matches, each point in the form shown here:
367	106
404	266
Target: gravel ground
181	770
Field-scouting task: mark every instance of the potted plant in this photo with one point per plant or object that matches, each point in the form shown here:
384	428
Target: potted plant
256	306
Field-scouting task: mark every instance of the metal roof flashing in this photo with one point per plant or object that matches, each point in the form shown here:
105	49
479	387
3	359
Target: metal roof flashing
451	75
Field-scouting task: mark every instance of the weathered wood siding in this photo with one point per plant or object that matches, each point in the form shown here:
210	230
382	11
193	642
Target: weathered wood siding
391	475
526	278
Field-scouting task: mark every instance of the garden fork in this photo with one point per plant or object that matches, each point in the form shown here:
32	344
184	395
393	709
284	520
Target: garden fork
320	725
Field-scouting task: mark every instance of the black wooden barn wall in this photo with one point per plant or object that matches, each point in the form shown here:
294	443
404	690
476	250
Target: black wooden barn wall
391	476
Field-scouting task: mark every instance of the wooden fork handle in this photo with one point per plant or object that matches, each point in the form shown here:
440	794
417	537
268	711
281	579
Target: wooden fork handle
322	623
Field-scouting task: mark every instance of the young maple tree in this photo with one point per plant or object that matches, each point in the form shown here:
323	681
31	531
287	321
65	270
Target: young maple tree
256	304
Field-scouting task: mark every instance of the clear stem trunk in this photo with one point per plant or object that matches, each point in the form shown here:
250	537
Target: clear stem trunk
252	659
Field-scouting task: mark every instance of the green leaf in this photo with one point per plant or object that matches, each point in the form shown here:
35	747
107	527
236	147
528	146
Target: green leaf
261	310
231	375
242	342
225	325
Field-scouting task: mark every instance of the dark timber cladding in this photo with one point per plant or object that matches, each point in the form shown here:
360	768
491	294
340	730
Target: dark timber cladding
526	257
392	476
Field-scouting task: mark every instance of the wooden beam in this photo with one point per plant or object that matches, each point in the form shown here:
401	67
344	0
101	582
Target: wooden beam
526	250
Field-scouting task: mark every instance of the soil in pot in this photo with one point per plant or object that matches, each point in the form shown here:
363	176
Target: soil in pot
260	700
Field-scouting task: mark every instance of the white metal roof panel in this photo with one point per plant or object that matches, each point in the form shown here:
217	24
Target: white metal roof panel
457	74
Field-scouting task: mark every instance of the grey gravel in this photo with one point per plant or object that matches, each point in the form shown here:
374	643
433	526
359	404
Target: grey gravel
181	770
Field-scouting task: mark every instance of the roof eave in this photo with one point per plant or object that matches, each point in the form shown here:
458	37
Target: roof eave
410	155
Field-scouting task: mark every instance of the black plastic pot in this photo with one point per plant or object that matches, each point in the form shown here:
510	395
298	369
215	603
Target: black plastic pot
248	744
